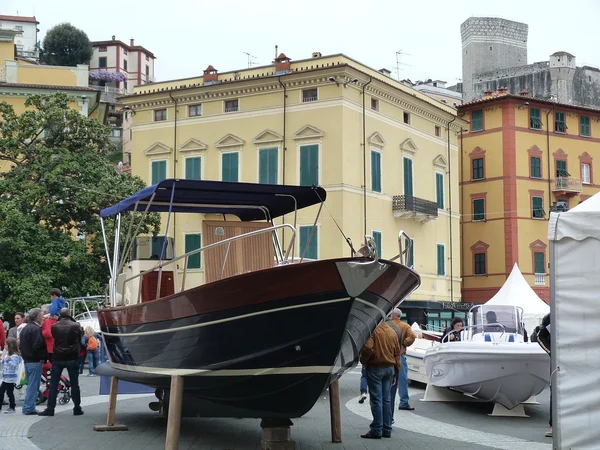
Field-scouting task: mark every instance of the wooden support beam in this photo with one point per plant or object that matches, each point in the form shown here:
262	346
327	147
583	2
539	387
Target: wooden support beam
335	412
112	407
174	414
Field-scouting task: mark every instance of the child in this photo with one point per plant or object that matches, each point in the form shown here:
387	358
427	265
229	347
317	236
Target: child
91	341
57	302
10	375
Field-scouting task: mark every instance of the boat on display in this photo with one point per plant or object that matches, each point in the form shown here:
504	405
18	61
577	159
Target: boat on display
491	362
259	332
414	353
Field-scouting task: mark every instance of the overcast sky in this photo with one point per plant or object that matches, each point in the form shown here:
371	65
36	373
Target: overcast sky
188	35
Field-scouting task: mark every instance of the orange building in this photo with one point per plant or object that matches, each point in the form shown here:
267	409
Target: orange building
520	159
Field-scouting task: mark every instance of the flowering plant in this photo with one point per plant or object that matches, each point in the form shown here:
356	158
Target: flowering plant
108	77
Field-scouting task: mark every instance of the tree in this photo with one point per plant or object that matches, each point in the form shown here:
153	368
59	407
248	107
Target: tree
66	45
59	179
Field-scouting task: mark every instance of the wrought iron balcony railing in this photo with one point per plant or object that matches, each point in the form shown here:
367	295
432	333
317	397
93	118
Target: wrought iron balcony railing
407	206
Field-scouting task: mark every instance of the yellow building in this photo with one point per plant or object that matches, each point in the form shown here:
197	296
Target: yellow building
308	122
521	158
21	77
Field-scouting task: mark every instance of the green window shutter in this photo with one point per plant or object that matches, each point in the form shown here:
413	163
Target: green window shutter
585	126
267	166
193	242
534	118
193	168
559	122
478	169
229	167
159	171
309	165
408	177
480	268
441	260
536	167
477	120
537	207
310	247
539	262
561	169
479	209
439	189
375	171
377	239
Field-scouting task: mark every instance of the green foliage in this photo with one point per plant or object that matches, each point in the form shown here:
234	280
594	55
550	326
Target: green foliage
60	178
66	45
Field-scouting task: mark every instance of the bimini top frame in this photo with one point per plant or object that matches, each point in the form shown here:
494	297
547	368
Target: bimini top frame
248	201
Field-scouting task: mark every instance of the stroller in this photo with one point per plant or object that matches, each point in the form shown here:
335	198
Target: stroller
64	386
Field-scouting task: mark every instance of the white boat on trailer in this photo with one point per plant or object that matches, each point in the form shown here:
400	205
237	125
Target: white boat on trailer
491	362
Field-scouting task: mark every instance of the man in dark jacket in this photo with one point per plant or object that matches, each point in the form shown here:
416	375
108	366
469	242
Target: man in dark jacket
33	351
542	337
67	336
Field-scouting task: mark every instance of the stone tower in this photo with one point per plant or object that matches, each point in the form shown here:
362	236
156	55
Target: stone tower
490	43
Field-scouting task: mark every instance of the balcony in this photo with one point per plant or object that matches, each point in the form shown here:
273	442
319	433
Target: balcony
567	186
408	207
108	94
540	279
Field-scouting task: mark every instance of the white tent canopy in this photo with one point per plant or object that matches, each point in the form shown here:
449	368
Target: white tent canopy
575	295
517	292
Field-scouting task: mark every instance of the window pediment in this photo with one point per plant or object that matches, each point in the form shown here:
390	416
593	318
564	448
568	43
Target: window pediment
268	137
193	145
479	246
377	140
440	161
158	148
308	132
538	245
230	140
408	146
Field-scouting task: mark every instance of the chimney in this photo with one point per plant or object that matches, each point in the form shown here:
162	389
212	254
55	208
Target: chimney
316	54
210	76
524	93
502	90
282	64
385	71
131	42
487	94
113	37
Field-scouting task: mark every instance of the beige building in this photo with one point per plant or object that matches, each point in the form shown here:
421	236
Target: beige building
367	139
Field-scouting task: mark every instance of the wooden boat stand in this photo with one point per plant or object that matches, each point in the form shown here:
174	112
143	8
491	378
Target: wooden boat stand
276	433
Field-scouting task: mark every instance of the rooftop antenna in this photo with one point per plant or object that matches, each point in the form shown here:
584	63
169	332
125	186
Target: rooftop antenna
399	54
276	51
251	60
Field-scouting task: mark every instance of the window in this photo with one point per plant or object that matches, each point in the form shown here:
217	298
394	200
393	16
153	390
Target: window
102	62
147	59
125	51
406	118
561	168
309	95
584	122
480	267
147	71
478	209
19	27
441	260
536	167
374	104
160	114
309	242
229	166
375	171
268	166
477	120
408	177
231	105
194	110
539	262
377	239
125	64
534	119
125	84
559	122
477	169
158	242
439	190
102	48
193	168
159	171
410	245
537	209
438	131
309	165
193	242
585	173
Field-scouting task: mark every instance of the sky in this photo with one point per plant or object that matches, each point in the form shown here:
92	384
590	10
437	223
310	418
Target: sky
188	35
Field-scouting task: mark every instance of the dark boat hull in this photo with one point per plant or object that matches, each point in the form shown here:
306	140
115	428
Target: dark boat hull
263	344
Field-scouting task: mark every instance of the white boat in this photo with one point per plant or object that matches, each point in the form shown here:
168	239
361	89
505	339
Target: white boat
415	353
491	361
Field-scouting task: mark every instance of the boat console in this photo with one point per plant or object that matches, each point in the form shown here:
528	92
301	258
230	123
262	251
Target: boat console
494	323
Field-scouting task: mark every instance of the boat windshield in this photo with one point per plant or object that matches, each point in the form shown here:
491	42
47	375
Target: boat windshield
508	316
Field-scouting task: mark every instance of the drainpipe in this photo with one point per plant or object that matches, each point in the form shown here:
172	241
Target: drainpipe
284	144
364	143
174	167
450	213
462	203
548	149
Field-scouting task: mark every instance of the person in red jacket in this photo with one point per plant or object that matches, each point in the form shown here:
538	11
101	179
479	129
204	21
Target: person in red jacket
2	336
47	330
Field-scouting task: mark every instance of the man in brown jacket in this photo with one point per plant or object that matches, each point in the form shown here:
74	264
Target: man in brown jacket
406	337
380	356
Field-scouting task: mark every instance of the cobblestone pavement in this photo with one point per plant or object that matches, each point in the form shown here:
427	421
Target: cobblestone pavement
432	426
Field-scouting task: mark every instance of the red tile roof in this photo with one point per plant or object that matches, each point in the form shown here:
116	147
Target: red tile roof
523	98
47	86
129	48
19	19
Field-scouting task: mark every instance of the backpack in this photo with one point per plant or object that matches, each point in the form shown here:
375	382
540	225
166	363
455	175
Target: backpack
92	344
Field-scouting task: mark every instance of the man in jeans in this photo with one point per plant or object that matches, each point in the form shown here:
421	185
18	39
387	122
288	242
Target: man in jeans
33	351
406	337
67	338
380	356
